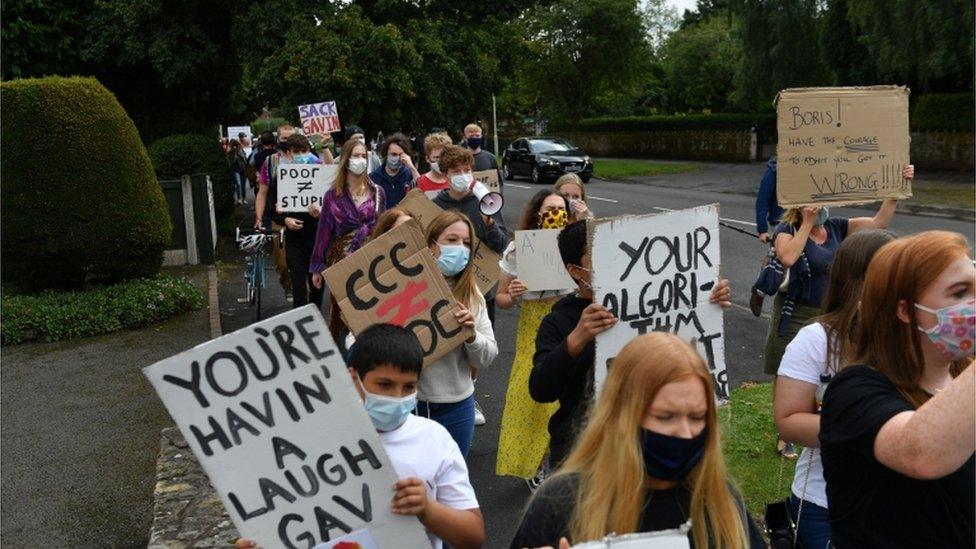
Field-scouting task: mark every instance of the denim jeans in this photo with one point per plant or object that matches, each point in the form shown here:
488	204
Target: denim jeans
814	530
239	188
456	417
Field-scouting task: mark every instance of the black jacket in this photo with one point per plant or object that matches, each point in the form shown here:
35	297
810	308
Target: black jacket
558	376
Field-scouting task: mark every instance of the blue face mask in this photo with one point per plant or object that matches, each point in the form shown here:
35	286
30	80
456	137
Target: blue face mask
388	413
822	217
671	458
475	143
453	259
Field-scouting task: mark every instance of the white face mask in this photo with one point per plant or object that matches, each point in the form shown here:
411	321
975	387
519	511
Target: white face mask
436	166
357	165
461	182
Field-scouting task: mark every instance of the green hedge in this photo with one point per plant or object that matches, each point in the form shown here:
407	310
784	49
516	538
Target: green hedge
720	121
178	155
80	203
53	316
944	112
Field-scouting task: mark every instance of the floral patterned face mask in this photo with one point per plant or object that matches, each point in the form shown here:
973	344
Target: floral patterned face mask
956	331
554	219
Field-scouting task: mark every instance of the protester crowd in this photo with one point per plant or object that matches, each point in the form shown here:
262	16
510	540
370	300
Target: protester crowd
870	339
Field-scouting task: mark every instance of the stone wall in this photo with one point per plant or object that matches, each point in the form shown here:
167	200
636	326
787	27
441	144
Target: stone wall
943	151
188	512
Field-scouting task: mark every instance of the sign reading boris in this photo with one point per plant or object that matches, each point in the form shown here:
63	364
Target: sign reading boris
485	261
319	118
655	274
394	279
540	267
272	415
301	185
841	145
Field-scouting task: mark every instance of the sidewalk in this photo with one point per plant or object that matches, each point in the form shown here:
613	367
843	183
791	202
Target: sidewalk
949	194
81	432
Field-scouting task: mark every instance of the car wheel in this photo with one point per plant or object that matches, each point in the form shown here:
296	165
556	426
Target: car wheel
536	178
585	178
507	172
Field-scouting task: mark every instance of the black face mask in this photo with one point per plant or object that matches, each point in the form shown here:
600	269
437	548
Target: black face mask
282	146
671	458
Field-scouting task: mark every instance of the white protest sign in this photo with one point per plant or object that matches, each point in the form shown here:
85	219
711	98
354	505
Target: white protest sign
663	539
234	132
300	185
272	415
319	118
841	145
540	267
655	273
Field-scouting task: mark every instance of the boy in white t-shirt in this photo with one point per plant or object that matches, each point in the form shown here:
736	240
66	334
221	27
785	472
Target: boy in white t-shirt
385	364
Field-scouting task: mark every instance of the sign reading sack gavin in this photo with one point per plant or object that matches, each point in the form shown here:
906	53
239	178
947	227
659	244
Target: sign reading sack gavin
394	279
489	178
655	274
301	185
319	118
271	413
485	260
841	145
540	267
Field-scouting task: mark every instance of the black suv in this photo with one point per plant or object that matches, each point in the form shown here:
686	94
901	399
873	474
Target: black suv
544	159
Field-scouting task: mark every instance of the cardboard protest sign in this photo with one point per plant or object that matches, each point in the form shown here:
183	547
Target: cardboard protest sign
234	132
655	273
489	178
394	279
301	185
841	145
319	118
485	259
676	538
540	267
272	415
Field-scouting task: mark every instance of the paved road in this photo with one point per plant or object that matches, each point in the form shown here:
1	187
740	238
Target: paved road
502	498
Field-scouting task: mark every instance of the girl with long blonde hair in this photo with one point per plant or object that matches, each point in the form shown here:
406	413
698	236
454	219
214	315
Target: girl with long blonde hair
649	459
446	390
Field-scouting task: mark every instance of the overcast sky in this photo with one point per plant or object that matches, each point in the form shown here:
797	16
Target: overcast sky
681	5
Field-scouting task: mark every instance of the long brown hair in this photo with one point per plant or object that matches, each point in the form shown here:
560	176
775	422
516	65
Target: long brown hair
899	273
530	215
339	183
607	458
465	288
386	220
840	306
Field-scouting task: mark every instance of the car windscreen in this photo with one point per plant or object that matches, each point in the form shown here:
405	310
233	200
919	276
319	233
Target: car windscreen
550	145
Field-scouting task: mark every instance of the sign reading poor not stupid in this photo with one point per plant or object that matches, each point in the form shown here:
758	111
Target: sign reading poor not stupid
272	415
394	279
655	274
841	145
303	185
319	118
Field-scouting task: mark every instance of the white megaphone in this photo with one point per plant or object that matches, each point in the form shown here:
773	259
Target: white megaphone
489	202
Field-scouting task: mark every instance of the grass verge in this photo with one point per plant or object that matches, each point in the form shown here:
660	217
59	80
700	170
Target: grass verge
749	444
950	195
53	316
616	168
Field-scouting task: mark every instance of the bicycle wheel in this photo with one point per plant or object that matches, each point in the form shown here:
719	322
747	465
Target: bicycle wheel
258	282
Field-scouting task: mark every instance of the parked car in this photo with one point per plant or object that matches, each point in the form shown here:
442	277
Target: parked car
544	159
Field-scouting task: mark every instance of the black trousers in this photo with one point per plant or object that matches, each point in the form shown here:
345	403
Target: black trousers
298	250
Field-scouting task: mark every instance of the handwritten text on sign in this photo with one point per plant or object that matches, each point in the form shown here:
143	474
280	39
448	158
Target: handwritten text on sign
301	185
655	273
842	145
319	118
394	279
489	178
540	267
271	413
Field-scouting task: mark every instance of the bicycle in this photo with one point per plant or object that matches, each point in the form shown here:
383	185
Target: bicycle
255	244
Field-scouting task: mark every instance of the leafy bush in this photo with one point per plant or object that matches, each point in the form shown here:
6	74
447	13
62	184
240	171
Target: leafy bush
944	112
183	154
260	125
701	122
54	316
80	203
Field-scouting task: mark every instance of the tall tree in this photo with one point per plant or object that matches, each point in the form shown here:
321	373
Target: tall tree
699	65
841	49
